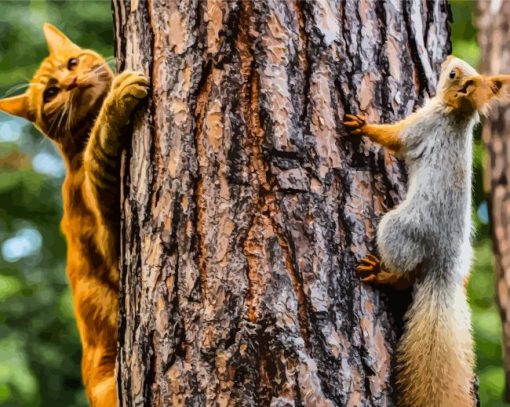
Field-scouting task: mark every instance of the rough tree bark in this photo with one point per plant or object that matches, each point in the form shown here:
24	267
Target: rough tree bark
247	206
493	32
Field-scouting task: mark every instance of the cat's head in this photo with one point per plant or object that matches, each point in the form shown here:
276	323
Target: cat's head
66	90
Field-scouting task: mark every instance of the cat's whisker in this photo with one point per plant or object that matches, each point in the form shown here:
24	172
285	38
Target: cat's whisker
26	79
96	69
31	83
70	114
111	62
53	123
18	87
56	121
90	76
67	115
63	113
15	88
109	59
99	67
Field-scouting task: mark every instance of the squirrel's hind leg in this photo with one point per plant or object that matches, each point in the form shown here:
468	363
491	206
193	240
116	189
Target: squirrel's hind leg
372	271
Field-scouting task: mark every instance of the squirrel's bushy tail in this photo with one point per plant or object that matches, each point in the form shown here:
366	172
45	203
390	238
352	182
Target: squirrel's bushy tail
435	355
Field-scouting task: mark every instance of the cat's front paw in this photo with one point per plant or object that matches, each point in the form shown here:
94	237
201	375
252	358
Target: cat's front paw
128	89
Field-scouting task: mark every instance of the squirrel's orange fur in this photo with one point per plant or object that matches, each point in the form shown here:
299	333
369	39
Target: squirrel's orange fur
386	135
75	100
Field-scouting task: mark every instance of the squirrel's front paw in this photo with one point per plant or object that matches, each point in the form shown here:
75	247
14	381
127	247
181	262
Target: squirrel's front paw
369	267
128	89
355	123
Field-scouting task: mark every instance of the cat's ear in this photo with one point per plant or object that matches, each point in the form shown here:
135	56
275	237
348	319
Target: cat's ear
56	39
17	106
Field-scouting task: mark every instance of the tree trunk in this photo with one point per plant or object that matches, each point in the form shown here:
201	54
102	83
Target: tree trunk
247	205
493	32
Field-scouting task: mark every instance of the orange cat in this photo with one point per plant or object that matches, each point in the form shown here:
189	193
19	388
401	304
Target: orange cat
75	100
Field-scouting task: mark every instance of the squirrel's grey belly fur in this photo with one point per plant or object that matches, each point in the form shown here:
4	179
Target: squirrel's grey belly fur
429	233
430	230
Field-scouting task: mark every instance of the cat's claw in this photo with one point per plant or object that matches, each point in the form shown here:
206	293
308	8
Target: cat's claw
128	89
131	84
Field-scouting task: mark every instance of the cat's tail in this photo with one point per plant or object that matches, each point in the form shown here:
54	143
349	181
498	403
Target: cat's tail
435	355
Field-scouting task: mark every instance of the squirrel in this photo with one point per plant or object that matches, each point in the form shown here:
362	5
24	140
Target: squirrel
425	241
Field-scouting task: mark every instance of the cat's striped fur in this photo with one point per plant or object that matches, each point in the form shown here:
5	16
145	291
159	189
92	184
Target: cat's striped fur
76	101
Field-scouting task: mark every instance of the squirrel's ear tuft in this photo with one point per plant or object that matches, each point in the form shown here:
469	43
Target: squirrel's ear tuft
500	86
485	92
17	106
56	39
499	92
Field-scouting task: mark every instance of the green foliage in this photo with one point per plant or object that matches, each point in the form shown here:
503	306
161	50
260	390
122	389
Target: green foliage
39	345
464	31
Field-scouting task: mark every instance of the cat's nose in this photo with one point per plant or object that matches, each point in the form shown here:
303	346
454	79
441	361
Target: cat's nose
73	84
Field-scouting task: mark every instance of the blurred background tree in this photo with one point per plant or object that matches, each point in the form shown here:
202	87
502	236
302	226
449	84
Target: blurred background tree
486	320
39	345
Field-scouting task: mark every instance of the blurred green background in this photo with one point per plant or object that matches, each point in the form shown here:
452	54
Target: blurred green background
486	320
39	346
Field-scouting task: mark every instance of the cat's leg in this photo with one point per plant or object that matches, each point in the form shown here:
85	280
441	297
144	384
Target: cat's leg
101	160
96	306
101	187
98	371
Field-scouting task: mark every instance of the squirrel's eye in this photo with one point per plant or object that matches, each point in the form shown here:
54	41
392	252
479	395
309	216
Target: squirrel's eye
453	74
72	63
50	93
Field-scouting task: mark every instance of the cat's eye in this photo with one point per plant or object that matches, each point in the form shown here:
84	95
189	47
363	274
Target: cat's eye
453	74
71	64
50	93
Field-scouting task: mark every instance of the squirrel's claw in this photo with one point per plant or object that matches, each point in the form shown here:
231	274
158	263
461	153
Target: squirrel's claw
369	264
371	271
356	118
370	258
372	278
355	123
383	277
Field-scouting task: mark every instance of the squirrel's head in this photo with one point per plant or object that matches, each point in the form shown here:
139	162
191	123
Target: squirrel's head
465	91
